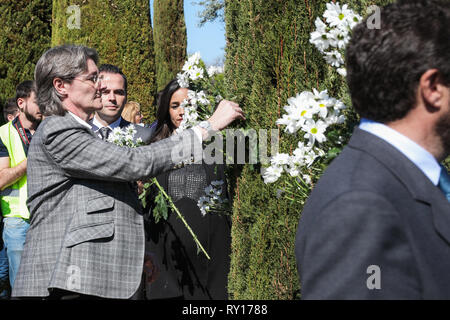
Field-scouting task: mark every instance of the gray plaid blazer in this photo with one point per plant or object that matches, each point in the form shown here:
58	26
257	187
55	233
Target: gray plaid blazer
86	230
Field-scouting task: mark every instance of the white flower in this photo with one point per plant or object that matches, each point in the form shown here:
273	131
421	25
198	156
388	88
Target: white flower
319	38
195	73
342	71
280	159
322	95
334	118
310	156
202	203
212	199
212	70
307	179
194	59
337	16
315	131
340	37
191	99
272	173
217	183
289	122
293	168
183	80
334	58
201	96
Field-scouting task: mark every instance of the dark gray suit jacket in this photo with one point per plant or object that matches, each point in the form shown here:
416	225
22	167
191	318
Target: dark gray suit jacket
374	207
86	233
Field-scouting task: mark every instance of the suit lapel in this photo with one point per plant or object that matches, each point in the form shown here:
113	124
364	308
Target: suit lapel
420	187
440	208
124	123
94	127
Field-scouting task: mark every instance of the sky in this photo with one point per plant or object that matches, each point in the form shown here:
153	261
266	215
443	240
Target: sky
209	40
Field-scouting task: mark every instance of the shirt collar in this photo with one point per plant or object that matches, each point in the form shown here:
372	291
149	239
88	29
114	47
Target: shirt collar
113	125
418	155
79	120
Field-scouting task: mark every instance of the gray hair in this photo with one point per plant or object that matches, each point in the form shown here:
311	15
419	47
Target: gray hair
64	62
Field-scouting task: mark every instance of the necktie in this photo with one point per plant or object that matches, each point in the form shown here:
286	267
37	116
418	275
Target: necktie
104	132
444	183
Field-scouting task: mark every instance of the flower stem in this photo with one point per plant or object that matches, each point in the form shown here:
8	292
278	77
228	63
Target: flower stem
172	205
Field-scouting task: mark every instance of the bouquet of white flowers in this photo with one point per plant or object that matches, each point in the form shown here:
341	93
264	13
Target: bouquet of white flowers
205	90
310	113
332	35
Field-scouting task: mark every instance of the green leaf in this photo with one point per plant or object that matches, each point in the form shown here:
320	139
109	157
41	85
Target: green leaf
160	210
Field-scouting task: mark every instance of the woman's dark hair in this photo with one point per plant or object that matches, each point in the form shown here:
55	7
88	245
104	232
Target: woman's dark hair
164	127
384	65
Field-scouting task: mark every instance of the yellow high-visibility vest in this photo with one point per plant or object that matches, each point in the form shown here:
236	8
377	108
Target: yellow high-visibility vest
14	198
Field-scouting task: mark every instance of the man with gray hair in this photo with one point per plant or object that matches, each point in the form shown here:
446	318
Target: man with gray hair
86	233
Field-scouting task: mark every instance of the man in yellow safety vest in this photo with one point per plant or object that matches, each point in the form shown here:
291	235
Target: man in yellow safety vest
15	137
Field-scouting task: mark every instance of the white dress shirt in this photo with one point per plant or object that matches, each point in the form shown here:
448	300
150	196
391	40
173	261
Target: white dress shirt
113	125
424	160
84	123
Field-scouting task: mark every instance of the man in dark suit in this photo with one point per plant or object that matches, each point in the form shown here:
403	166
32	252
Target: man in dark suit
114	97
86	235
377	224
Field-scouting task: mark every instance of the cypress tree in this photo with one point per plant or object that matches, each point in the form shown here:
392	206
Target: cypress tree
121	33
24	35
170	39
269	59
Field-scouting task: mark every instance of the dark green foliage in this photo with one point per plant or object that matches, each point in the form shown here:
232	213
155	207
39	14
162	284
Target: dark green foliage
269	59
121	33
24	36
170	39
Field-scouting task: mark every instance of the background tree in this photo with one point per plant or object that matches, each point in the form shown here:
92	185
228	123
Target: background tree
212	10
170	39
268	59
24	35
121	32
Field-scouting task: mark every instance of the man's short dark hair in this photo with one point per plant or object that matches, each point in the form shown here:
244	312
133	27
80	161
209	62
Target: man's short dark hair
10	107
24	89
109	68
384	65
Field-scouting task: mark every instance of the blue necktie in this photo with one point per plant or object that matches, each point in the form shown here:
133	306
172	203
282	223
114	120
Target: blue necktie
444	183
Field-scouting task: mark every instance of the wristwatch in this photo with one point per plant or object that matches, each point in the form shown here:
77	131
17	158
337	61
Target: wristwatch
205	125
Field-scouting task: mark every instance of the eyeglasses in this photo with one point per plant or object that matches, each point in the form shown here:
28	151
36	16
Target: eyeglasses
92	78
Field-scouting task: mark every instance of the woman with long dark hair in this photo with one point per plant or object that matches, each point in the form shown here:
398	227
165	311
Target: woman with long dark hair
183	272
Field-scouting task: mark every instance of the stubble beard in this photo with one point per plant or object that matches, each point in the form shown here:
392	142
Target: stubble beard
442	130
32	118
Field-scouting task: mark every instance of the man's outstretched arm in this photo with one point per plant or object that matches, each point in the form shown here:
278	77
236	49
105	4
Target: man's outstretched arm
9	176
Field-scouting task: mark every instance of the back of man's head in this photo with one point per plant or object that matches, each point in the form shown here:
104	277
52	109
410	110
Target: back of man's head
384	65
10	109
24	89
109	68
64	62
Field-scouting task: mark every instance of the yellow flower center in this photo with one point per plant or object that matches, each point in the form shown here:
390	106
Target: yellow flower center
314	130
